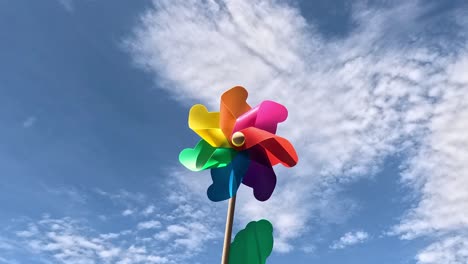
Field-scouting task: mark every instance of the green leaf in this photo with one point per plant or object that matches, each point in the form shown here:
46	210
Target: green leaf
253	244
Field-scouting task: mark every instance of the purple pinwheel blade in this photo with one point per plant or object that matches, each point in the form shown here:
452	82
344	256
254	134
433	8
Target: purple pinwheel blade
260	176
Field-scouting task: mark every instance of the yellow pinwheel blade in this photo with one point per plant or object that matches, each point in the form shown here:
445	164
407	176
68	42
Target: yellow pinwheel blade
206	125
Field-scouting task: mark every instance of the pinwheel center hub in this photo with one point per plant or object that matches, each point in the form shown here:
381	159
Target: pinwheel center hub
238	139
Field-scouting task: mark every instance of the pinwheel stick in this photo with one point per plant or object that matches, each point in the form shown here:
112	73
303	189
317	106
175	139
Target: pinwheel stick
228	231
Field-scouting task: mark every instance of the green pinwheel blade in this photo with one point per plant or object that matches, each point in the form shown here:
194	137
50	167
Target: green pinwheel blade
253	244
204	156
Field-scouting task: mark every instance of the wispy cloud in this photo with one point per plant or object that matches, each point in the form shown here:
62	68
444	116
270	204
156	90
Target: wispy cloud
66	241
5	245
127	212
149	224
149	210
171	230
29	122
439	174
194	221
71	194
451	250
350	238
381	90
30	232
68	5
123	196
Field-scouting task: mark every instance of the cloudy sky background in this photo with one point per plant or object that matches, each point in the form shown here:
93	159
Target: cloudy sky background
94	99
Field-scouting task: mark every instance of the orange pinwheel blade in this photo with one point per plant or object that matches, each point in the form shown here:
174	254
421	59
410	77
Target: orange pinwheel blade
233	105
279	150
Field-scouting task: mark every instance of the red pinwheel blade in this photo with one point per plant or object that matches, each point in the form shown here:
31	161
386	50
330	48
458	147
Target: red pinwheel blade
233	105
278	149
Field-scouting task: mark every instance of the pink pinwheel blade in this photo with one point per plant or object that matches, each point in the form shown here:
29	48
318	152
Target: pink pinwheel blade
265	116
260	176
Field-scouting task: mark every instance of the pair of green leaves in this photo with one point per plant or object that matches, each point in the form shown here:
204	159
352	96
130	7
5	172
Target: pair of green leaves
253	244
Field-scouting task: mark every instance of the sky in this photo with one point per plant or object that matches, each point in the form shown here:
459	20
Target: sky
94	100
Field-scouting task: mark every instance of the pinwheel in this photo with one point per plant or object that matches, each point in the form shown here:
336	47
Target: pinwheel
239	145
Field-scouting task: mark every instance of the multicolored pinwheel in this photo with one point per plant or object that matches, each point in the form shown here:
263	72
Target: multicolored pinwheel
239	145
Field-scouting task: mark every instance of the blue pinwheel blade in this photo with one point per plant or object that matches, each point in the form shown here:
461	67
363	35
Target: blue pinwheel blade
226	180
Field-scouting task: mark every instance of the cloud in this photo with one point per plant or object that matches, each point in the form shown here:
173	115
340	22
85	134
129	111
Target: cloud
185	225
438	172
194	221
309	249
127	212
3	260
385	89
197	218
65	192
5	245
149	210
149	225
67	240
123	196
350	238
29	122
109	236
67	4
451	250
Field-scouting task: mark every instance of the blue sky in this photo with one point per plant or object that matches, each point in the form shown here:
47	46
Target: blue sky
94	97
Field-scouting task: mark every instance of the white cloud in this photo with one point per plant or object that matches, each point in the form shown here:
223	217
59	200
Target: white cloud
109	236
439	174
439	171
309	249
67	4
71	193
156	240
195	221
149	225
31	231
352	101
29	122
197	218
3	260
349	239
451	250
5	245
357	113
185	225
127	212
149	210
68	241
124	196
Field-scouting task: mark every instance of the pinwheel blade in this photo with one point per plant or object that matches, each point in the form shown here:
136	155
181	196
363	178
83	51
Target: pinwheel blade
204	156
253	244
265	116
226	180
233	105
206	125
278	149
260	176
